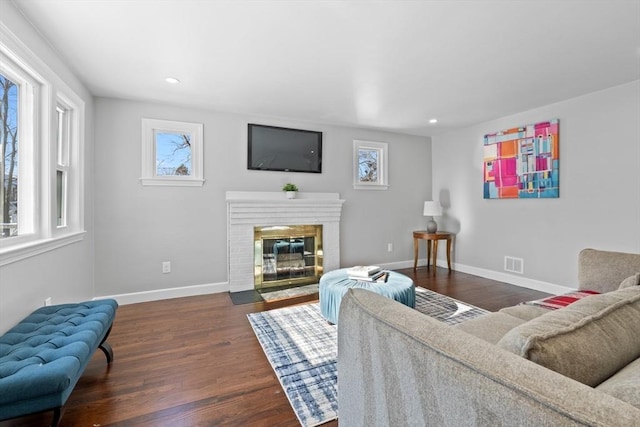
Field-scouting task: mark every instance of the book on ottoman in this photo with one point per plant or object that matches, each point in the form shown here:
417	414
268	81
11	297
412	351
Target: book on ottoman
363	271
380	276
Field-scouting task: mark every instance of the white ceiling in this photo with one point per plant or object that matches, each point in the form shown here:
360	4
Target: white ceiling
378	64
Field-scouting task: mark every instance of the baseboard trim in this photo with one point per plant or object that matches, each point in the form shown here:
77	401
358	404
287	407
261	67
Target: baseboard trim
161	294
511	279
523	282
399	265
214	288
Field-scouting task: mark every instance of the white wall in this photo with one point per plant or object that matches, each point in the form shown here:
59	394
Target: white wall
65	274
599	204
139	227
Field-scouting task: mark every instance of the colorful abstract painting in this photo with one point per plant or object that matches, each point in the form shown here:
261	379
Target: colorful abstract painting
522	162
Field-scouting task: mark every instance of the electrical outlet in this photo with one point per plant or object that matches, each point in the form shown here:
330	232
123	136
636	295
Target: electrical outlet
47	302
166	267
389	247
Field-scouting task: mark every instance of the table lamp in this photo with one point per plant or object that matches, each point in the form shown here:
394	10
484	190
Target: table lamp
432	208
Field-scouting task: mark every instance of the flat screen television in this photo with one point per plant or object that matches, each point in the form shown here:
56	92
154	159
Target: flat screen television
282	149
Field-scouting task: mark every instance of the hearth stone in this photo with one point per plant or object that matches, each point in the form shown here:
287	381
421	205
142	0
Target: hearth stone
245	297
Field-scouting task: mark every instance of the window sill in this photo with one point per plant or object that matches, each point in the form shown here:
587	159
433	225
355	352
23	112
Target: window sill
370	187
19	252
168	182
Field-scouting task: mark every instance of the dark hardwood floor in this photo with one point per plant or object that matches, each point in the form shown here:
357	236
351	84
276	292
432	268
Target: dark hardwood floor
196	362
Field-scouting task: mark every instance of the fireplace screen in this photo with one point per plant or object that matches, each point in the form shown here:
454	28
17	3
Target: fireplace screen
287	255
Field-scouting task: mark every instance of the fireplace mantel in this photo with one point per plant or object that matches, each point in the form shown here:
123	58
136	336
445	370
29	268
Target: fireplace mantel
249	209
280	197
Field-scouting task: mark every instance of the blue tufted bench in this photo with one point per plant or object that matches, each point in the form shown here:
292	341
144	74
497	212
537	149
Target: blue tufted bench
43	356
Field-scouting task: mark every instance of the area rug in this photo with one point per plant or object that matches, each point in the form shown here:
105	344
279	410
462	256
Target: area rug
444	308
302	349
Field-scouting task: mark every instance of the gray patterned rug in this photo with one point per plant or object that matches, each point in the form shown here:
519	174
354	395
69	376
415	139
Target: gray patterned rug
301	347
445	309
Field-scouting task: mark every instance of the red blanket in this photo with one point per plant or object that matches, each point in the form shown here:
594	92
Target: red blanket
559	301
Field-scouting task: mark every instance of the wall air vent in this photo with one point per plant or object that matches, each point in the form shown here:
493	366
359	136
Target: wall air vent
513	265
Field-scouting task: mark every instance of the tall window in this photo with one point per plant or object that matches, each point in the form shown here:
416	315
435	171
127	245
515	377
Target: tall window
41	163
9	159
62	168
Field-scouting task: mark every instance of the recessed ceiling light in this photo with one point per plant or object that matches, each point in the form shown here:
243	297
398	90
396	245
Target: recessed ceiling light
172	80
433	121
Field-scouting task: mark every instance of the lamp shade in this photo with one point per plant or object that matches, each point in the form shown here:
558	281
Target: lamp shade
432	208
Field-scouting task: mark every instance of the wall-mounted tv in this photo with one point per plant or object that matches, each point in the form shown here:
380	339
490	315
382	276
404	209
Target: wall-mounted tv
274	148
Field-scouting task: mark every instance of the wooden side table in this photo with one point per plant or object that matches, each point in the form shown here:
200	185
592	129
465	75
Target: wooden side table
432	239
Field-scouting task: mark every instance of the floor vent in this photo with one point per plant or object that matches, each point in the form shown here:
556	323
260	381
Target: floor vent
513	265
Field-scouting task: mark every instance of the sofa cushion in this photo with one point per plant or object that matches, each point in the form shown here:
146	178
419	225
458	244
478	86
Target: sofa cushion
630	281
524	312
603	271
624	384
588	341
490	327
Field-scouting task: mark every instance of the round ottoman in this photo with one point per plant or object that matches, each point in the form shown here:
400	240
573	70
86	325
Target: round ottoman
334	284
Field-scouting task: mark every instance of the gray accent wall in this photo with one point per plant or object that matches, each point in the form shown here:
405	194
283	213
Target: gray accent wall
138	227
599	204
132	229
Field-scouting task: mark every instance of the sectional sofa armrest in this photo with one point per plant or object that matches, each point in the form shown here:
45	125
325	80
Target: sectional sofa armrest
603	271
399	367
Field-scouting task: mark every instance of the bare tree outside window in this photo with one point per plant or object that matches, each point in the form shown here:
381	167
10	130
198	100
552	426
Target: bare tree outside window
173	154
368	165
9	157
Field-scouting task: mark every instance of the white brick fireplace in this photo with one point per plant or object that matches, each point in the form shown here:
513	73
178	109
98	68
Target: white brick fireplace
249	209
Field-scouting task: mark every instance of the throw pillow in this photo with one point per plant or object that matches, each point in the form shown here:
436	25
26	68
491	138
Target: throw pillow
588	341
630	281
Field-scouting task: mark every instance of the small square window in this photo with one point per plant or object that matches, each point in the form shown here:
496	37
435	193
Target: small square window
172	153
370	165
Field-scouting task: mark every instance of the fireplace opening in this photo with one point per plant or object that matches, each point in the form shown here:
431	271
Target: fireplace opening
287	256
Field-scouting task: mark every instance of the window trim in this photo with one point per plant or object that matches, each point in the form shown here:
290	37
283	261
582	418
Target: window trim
31	97
63	136
383	181
42	234
26	250
148	167
72	165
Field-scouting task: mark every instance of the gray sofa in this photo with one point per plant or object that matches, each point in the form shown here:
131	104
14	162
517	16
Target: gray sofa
399	367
